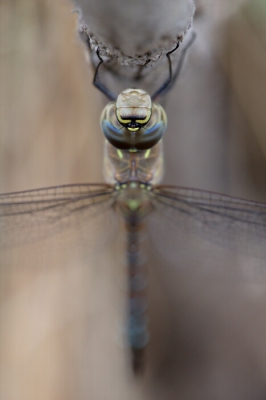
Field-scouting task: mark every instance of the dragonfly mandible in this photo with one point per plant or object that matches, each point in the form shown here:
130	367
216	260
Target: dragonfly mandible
194	230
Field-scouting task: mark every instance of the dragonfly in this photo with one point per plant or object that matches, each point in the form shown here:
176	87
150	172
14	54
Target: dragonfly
194	231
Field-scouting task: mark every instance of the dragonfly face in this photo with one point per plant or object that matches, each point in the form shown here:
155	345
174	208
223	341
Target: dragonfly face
133	109
133	122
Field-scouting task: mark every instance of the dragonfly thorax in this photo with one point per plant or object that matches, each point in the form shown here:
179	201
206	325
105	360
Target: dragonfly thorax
133	200
126	166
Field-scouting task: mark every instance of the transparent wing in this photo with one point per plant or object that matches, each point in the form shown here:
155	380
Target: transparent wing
208	253
34	214
56	271
200	229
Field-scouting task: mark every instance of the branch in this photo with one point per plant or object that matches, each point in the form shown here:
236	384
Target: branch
135	27
134	38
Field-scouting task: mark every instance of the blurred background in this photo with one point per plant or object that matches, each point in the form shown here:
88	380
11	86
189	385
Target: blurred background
49	109
219	120
50	135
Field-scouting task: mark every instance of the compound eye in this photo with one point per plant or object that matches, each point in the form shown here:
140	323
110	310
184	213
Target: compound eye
124	139
133	109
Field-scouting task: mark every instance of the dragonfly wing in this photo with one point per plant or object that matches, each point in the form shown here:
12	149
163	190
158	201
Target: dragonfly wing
211	231
35	214
206	289
57	276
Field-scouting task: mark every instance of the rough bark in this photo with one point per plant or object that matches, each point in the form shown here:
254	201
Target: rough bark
134	28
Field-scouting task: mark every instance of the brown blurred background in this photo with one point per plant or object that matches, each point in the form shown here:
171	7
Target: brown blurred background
49	110
49	135
244	64
216	111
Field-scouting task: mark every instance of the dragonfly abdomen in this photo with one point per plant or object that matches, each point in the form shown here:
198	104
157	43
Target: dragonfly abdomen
138	334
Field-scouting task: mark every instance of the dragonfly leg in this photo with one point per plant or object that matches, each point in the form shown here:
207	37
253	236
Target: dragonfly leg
170	81
96	81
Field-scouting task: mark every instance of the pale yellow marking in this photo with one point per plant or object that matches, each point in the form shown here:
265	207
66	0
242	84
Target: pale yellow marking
133	129
119	153
133	204
147	154
144	121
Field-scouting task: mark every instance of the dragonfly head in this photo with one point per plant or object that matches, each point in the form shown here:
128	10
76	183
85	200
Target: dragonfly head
133	122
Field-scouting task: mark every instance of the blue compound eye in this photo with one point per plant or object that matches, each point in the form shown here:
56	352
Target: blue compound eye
133	122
